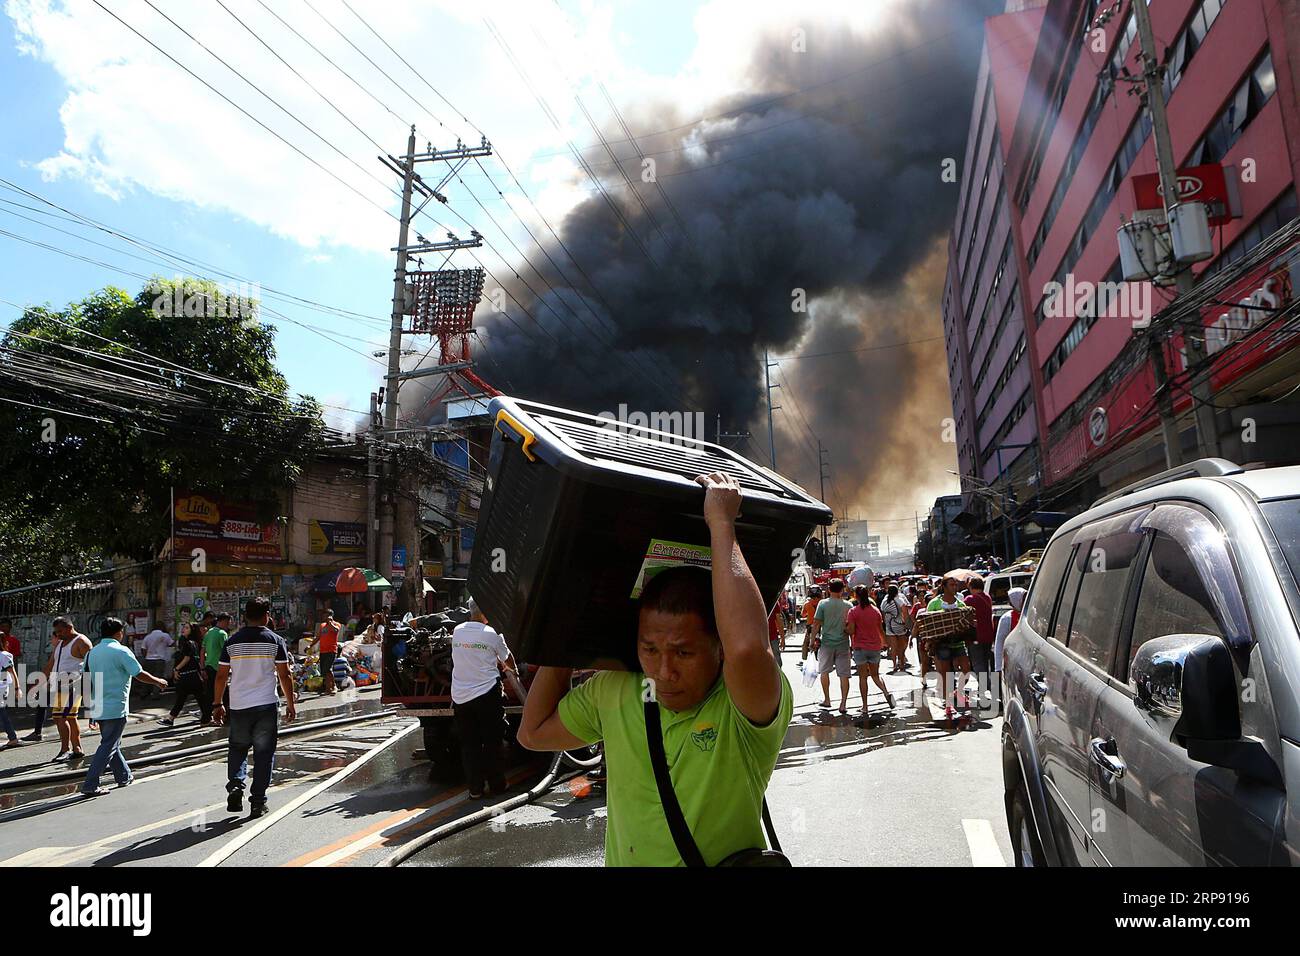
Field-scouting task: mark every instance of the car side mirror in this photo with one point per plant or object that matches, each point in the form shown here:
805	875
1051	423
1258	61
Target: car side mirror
1186	686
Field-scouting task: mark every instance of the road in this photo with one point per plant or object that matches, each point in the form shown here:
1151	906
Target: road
879	790
847	791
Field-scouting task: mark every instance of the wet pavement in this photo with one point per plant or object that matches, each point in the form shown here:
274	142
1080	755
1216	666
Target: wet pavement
882	788
144	736
565	827
901	788
174	817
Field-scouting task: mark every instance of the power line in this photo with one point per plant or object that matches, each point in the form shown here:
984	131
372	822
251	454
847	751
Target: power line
245	112
165	251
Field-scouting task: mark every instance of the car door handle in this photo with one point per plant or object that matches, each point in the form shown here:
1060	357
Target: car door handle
1037	686
1102	756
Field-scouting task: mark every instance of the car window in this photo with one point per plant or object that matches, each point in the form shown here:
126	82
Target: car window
1073	574
1284	521
1105	567
1046	582
998	588
1173	600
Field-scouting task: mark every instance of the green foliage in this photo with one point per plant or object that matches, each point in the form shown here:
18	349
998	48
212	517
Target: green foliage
106	485
35	549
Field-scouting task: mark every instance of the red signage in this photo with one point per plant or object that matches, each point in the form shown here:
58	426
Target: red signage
1210	184
224	530
1242	332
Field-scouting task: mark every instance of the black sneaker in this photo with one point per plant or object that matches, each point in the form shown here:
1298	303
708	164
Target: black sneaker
256	809
235	802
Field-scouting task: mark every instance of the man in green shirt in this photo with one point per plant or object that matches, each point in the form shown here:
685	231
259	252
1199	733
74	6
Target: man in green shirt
724	706
833	650
214	642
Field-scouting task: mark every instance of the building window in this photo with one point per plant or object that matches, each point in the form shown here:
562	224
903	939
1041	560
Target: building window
1062	90
1246	102
979	135
1008	370
1023	404
1188	42
1076	331
1007	310
1128	152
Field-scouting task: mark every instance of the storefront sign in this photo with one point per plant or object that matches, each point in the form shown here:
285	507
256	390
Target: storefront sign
224	531
336	537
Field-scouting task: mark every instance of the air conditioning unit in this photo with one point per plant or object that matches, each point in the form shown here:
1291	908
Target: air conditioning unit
1189	230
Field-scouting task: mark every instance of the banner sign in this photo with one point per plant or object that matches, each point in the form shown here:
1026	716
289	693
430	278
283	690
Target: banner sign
336	537
224	530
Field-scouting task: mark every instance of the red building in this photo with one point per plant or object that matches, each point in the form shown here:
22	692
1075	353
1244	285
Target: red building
1064	392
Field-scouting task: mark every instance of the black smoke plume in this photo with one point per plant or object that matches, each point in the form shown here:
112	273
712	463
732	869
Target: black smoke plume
836	191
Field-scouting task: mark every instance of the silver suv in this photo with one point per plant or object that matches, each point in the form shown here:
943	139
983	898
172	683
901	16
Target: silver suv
1153	681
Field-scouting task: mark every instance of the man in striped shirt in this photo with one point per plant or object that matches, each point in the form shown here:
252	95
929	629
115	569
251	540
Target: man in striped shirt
253	660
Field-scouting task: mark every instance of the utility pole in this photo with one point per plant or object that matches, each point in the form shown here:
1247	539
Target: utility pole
822	465
1193	332
767	380
399	519
372	502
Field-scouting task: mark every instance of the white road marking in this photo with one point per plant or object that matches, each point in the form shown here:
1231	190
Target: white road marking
39	856
983	844
215	859
66	856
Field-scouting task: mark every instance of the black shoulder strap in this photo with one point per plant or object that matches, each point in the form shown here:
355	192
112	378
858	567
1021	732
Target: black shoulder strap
677	825
690	853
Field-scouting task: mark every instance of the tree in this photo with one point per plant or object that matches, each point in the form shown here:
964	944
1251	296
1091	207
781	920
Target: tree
110	403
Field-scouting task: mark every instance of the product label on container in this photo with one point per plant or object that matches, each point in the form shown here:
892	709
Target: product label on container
670	554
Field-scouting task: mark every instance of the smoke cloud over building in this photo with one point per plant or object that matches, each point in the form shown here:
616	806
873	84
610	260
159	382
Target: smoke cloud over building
832	199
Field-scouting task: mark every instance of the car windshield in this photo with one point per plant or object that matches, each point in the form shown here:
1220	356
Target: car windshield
1283	519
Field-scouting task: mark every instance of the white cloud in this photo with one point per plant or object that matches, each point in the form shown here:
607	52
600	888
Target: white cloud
134	120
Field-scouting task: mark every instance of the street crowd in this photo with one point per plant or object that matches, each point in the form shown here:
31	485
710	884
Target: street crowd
236	676
864	620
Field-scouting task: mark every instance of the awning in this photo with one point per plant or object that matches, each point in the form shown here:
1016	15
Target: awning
327	581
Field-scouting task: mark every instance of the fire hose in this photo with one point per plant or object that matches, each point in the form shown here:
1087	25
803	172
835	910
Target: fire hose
550	779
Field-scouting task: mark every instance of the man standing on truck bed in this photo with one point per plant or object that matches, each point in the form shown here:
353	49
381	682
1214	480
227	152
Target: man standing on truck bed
723	705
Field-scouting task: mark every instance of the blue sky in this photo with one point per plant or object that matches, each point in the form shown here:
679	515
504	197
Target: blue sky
85	130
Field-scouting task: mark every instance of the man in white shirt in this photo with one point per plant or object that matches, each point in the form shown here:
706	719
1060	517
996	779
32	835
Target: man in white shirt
153	652
478	654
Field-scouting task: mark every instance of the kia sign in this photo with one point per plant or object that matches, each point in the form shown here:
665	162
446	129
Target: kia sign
1212	184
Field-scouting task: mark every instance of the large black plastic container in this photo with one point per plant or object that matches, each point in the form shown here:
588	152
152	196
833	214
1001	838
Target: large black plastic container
573	501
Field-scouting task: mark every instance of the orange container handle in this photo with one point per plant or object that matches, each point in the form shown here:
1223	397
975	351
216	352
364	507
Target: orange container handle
528	437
